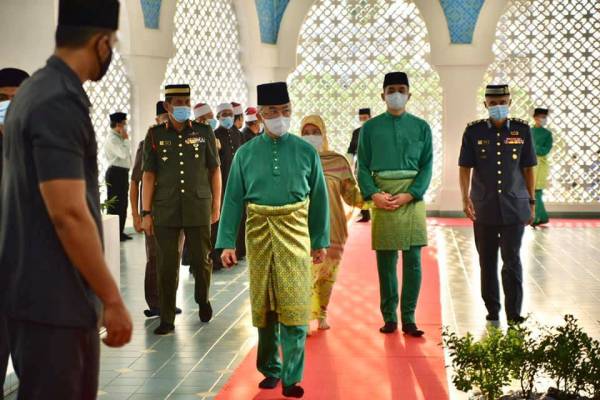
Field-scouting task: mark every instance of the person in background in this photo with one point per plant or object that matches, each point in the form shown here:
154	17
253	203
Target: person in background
10	80
203	114
52	266
238	115
229	140
118	154
288	221
364	114
497	183
252	128
135	191
342	188
542	137
181	193
395	161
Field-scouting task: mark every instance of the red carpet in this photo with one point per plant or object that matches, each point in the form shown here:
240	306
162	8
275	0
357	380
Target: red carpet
353	360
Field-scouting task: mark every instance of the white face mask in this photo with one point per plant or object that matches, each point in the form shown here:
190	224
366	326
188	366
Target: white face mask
315	140
396	101
278	126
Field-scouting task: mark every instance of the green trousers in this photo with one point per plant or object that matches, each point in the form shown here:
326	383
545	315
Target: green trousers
292	340
541	215
387	261
167	251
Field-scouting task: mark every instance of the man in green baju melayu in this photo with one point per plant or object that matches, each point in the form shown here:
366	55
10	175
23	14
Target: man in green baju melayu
278	178
542	138
395	158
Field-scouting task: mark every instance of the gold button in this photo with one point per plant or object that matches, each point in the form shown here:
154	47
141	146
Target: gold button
182	181
181	154
499	191
180	136
182	190
197	156
483	150
515	157
180	145
181	172
499	172
499	182
164	150
499	162
498	143
180	162
514	150
499	153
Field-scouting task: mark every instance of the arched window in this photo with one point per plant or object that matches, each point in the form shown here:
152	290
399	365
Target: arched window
549	53
345	49
207	52
111	94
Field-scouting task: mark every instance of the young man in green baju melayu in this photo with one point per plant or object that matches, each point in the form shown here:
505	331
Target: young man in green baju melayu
395	158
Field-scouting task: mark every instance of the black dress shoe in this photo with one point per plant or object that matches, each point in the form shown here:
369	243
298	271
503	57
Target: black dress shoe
389	327
293	391
206	312
164	329
152	312
125	238
492	317
270	382
177	310
412	330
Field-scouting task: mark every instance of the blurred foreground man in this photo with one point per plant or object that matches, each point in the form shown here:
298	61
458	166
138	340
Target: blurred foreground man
52	268
10	80
278	177
497	161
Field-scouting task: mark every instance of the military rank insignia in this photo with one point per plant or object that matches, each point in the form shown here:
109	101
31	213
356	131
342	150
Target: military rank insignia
514	133
483	142
165	142
195	140
513	140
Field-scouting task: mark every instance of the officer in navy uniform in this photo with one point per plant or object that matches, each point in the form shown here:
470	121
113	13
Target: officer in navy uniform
496	162
364	114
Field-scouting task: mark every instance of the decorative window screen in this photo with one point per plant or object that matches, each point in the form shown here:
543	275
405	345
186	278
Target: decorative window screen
207	52
548	51
345	49
111	94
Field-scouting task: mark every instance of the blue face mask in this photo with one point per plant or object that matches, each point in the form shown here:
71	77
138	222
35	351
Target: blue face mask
3	108
213	123
181	113
498	113
226	122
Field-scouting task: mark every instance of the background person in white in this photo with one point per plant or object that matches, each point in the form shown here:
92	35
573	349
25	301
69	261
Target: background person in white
118	153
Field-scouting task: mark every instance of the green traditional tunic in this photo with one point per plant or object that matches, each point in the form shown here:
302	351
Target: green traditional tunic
390	146
276	173
543	144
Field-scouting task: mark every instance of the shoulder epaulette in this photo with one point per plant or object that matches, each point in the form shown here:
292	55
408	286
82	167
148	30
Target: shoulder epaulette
475	122
522	121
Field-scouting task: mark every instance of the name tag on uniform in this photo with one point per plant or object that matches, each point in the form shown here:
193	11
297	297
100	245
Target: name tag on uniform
483	142
195	140
513	140
165	142
514	133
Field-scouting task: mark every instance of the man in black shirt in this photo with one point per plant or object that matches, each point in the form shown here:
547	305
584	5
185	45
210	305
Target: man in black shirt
364	114
52	268
10	80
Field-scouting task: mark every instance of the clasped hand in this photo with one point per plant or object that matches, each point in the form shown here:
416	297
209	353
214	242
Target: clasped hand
386	201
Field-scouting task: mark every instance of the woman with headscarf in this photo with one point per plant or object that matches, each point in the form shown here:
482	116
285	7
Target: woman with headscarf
341	187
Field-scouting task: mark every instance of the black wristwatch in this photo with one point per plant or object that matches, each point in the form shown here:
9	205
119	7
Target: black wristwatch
145	213
532	202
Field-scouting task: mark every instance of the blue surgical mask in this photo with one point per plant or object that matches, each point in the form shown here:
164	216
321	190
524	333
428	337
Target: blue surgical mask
181	113
226	122
3	108
213	123
498	113
396	101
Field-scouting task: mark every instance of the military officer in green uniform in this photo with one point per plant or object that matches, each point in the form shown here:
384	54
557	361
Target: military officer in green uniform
181	193
542	137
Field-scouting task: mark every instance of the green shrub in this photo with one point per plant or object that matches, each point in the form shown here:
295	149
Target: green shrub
525	355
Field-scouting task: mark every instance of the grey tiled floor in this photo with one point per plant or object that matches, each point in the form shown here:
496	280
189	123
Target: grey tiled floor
562	275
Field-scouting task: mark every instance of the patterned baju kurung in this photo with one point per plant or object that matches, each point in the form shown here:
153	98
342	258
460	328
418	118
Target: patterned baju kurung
281	181
395	155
